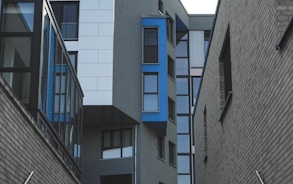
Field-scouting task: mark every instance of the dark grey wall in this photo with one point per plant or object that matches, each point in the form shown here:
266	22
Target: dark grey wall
93	166
24	149
256	131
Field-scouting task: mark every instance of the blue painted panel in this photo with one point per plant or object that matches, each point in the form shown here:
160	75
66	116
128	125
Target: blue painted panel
51	75
161	69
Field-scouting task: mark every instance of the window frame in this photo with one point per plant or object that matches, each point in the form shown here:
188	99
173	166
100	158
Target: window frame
225	71
161	147
121	143
144	59
151	93
60	18
161	6
171	109
170	28
171	67
172	153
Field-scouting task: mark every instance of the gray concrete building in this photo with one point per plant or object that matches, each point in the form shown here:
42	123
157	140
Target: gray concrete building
127	53
243	119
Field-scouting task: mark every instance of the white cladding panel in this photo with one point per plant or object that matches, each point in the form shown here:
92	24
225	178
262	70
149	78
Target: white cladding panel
196	48
95	51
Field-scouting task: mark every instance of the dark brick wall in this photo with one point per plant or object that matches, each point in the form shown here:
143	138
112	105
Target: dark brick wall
257	130
24	149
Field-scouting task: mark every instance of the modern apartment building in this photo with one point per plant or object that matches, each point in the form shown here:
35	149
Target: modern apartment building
46	97
243	119
128	56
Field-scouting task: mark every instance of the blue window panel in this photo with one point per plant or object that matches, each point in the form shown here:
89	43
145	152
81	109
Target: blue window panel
150	103
160	116
150	83
183	164
51	76
182	103
183	145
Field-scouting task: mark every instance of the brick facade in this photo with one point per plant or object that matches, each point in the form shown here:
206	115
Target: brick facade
23	148
256	132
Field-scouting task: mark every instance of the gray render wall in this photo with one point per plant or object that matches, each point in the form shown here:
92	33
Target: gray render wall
256	132
24	149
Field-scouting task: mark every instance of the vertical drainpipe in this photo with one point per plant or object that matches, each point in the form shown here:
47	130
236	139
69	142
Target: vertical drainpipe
135	154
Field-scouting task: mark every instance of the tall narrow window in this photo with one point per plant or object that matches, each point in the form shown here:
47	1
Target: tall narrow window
171	109
160	146
205	136
67	14
151	92
170	27
150	54
172	153
73	59
161	6
171	67
225	69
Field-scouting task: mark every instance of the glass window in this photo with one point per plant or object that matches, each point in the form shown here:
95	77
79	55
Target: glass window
182	104
18	17
73	59
67	14
195	88
170	27
150	54
15	52
183	145
171	109
117	144
182	86
182	124
171	69
151	96
182	49
183	164
172	153
206	41
182	66
160	146
20	83
183	179
161	6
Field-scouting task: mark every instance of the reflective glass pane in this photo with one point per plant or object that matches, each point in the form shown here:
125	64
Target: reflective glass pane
107	139
183	145
15	52
182	86
20	83
181	66
127	151
151	103
182	124
183	164
112	153
56	103
57	83
195	87
150	83
127	141
116	139
150	45
182	104
182	49
18	17
183	179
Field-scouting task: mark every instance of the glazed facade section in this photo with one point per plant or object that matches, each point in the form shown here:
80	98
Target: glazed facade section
36	65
